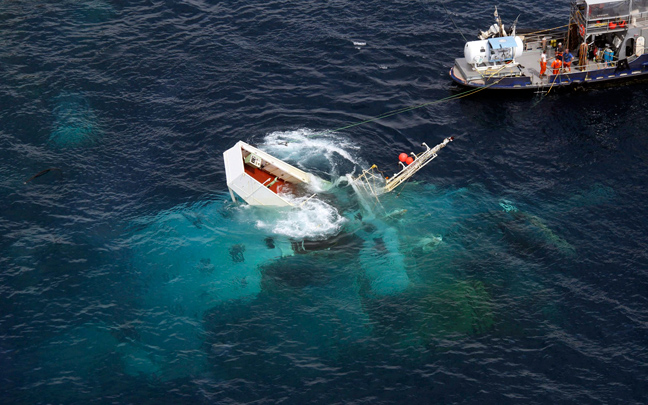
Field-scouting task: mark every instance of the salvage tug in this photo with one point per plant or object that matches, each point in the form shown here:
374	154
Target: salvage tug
603	42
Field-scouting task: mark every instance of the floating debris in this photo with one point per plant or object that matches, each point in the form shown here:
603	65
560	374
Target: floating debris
236	253
42	173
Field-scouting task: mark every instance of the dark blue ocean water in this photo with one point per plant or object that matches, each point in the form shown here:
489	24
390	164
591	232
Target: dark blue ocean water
512	270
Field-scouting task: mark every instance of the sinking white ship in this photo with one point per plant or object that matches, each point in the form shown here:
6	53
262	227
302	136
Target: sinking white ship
259	178
262	179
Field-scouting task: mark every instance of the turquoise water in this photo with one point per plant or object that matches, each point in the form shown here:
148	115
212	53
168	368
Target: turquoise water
339	254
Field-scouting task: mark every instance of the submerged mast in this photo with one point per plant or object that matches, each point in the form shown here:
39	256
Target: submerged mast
418	163
374	183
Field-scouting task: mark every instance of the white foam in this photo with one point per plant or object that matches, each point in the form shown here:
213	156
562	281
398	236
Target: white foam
312	151
310	219
508	206
315	152
318	185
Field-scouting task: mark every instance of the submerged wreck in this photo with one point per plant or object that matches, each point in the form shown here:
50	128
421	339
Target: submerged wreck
604	42
261	179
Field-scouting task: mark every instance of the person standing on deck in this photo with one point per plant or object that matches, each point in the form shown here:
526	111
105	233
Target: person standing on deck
567	60
555	65
598	54
559	52
608	56
582	56
543	63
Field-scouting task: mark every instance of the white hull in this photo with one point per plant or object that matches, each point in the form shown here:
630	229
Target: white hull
260	178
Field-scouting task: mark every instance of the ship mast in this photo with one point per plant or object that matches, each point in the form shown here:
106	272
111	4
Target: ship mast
499	23
372	182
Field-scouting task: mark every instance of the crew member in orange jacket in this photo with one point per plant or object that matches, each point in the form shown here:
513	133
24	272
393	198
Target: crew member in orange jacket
555	65
543	63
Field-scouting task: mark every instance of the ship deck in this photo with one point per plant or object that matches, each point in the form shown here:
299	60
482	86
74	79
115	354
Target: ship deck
525	72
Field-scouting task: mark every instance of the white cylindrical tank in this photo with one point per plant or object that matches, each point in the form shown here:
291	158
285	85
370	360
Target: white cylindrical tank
520	47
476	52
